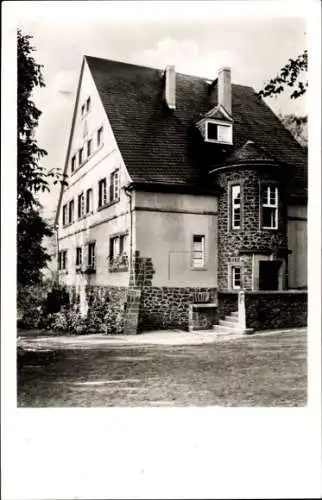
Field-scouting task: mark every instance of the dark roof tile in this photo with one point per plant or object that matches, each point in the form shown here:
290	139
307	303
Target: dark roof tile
162	145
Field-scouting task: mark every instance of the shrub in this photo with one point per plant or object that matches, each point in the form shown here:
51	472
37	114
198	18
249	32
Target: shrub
59	322
56	299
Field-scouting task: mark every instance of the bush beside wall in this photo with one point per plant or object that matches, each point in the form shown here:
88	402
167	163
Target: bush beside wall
271	310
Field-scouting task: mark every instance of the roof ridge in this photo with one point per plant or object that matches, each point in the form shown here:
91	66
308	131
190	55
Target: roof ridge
203	78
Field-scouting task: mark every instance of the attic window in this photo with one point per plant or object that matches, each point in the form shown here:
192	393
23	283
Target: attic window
88	104
221	133
212	131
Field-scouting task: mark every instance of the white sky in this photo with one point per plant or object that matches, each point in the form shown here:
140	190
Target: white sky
198	37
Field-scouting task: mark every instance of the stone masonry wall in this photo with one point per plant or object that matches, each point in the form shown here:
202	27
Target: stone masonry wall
269	310
165	307
249	236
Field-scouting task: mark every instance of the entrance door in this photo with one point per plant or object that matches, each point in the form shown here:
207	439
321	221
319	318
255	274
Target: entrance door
268	274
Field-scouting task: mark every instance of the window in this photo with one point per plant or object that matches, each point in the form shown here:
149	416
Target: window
270	207
198	251
88	104
115	186
235	207
236	277
91	255
219	132
212	131
80	156
89	148
79	256
117	246
71	212
83	109
65	215
99	136
80	205
62	260
102	200
89	201
73	165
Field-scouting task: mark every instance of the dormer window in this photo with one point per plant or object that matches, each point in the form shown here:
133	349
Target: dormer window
221	133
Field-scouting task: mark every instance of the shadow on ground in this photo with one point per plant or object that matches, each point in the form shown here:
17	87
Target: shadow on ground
262	371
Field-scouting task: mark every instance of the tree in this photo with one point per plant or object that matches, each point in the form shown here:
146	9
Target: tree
289	76
31	176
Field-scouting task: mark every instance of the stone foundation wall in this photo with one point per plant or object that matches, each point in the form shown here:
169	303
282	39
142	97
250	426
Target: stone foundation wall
227	303
165	307
270	310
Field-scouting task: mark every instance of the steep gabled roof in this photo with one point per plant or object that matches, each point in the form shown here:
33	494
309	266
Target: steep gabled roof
160	145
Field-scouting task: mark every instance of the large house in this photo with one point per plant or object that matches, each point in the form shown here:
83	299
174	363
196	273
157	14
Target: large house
185	198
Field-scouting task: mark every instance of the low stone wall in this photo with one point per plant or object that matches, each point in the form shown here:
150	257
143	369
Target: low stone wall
227	303
166	307
270	310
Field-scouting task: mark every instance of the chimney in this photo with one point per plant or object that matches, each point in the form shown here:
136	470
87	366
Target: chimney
224	89
170	87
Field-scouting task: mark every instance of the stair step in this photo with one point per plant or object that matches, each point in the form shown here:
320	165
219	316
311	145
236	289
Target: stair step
224	329
230	324
232	319
234	313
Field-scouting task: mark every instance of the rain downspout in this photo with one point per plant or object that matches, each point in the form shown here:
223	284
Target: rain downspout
129	195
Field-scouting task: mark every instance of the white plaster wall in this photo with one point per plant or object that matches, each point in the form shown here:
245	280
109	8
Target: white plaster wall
165	232
102	223
297	242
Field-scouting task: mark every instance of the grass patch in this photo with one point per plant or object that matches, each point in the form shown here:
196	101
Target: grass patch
268	370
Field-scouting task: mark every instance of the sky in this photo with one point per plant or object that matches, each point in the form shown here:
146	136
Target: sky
197	37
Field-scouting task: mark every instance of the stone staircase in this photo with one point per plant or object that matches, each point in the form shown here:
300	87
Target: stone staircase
229	325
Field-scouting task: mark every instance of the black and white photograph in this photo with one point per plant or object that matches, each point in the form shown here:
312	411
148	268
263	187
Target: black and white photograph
162	206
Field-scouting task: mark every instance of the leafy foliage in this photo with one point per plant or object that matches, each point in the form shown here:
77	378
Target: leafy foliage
290	76
297	125
32	178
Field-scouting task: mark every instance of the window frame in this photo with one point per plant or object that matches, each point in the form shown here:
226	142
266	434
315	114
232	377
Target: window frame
219	124
266	190
65	215
80	157
79	257
102	198
203	251
89	148
115	194
71	213
62	260
73	164
89	206
233	277
91	257
88	104
234	207
80	205
99	136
